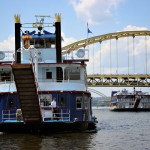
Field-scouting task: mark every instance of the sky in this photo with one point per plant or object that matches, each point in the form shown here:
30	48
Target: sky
103	16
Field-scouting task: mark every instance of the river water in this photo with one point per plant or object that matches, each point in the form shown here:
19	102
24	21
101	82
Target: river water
116	131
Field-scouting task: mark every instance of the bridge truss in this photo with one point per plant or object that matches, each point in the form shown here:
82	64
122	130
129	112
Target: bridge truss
114	80
118	80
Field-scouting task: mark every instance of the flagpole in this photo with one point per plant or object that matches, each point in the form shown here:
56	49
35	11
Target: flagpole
87	39
89	31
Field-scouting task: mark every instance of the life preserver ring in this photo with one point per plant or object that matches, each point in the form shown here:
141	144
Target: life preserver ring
26	39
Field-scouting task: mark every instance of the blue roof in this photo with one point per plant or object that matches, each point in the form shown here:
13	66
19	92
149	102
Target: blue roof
43	36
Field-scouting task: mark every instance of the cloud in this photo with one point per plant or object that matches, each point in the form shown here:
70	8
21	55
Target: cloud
8	44
124	53
67	40
95	11
134	28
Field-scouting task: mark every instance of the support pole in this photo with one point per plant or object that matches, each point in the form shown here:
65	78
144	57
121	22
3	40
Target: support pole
117	54
133	56
100	58
110	59
128	55
145	55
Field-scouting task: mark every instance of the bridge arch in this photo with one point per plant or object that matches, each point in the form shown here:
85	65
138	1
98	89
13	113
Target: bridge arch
97	92
95	39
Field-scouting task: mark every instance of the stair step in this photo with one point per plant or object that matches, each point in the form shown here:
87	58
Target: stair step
28	97
27	114
30	77
25	77
24	104
21	66
31	110
27	93
23	73
28	101
31	119
28	82
25	86
29	106
27	89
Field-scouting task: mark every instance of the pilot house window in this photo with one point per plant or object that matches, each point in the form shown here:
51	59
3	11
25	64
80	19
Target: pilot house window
39	43
72	74
43	43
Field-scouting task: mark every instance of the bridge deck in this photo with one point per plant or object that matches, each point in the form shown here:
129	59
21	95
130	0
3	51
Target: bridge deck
116	80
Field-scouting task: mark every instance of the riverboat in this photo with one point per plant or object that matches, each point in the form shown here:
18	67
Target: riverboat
36	73
130	101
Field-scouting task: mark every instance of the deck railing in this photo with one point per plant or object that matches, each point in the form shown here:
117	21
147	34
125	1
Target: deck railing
8	115
60	114
47	115
65	80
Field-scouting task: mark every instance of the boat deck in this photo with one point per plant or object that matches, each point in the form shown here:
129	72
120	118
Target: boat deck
21	121
130	109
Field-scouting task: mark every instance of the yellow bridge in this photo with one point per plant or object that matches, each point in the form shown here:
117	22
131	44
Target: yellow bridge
116	78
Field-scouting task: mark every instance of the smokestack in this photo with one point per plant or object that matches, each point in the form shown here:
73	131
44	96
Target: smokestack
17	39
58	37
58	46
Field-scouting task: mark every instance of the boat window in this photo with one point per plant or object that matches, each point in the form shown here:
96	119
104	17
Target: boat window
72	74
45	99
48	43
43	43
48	75
32	42
78	102
62	102
5	76
39	43
86	102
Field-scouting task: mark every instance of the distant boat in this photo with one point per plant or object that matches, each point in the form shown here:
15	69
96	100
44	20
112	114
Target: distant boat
130	101
35	75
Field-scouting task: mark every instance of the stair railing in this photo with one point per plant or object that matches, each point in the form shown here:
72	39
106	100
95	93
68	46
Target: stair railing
34	72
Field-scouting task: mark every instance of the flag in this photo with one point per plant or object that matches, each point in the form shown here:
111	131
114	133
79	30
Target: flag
88	30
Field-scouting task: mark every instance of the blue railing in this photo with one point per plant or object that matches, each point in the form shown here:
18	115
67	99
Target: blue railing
8	115
47	115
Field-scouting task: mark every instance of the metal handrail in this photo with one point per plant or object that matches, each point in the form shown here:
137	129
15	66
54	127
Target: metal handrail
8	115
65	80
33	67
57	116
